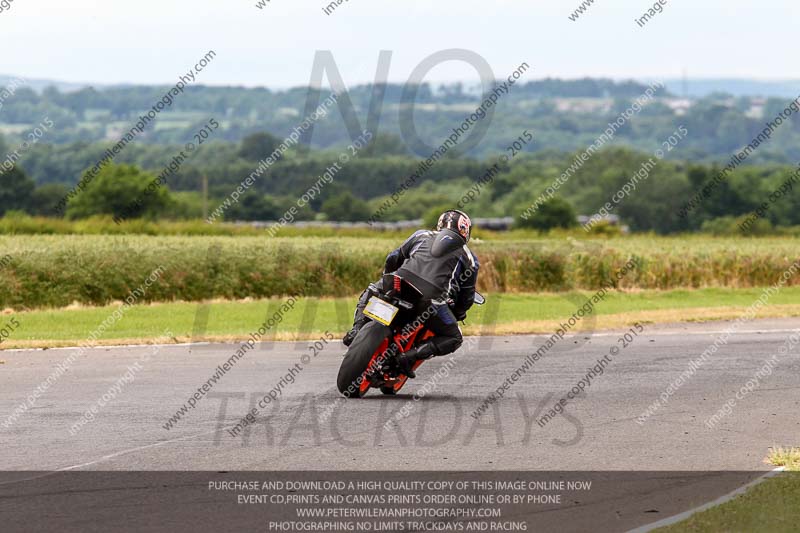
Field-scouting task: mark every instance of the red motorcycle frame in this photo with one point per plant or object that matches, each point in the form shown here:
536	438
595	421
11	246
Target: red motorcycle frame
392	383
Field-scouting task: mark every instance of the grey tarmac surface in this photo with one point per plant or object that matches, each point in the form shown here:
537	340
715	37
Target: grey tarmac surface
599	431
642	472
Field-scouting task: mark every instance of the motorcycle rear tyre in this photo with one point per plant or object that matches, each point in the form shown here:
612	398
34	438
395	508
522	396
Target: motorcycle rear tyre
358	358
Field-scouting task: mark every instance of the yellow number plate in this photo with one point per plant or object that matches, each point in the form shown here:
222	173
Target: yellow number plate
380	311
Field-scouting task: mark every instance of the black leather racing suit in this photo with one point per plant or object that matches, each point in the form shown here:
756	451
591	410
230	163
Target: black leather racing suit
441	266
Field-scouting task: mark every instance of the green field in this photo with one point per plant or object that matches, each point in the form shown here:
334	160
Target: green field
55	271
502	314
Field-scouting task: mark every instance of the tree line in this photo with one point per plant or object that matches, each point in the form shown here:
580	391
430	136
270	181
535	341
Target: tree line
125	188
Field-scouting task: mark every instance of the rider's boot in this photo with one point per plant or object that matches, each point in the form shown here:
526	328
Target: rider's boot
359	319
406	361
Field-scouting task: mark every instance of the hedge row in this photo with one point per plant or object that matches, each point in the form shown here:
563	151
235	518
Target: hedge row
50	271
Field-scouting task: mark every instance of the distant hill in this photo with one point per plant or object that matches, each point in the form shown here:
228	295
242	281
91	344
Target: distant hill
698	88
101	114
693	87
563	116
38	84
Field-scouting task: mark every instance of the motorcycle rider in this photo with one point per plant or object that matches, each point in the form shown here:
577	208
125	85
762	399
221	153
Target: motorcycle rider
440	265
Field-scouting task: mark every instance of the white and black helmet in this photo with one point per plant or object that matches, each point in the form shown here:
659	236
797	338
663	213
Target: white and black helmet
457	221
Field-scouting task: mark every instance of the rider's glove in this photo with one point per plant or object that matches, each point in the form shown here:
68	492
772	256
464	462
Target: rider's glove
460	315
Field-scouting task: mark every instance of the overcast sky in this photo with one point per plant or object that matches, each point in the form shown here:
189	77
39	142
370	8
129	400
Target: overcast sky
154	41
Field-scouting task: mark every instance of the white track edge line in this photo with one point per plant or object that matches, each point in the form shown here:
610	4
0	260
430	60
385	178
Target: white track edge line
571	335
719	501
109	456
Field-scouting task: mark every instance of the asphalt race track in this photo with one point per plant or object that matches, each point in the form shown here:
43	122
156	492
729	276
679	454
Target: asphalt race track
600	431
310	428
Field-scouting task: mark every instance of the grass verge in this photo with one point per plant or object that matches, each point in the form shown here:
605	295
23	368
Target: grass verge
770	506
504	314
788	458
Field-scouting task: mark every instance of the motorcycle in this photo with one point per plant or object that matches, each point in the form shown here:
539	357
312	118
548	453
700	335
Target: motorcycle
394	328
